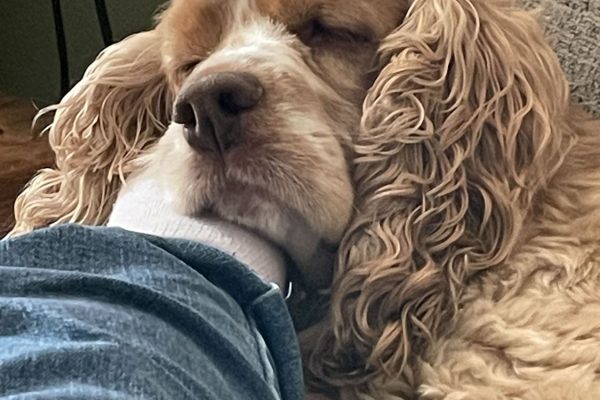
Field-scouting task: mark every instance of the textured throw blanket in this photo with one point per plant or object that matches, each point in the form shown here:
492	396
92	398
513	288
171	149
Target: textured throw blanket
574	28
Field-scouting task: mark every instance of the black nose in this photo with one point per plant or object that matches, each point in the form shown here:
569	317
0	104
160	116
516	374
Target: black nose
210	109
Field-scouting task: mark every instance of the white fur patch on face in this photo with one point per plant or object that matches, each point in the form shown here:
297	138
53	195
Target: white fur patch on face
254	39
251	35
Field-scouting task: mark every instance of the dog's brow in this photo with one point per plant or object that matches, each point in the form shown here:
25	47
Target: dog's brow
363	17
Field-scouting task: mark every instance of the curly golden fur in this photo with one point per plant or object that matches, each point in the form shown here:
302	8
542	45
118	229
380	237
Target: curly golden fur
469	153
470	268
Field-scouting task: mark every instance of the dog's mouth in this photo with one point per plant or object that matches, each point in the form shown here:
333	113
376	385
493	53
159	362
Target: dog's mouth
258	210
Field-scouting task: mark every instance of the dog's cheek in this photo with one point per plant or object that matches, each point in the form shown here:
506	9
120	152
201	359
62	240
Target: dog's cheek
345	67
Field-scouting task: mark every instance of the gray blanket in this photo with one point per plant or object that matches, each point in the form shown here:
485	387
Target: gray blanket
573	27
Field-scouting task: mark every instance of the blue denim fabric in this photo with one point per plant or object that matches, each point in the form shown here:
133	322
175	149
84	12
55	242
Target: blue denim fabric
102	313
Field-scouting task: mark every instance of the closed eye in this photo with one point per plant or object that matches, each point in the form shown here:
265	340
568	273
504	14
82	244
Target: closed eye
314	33
187	67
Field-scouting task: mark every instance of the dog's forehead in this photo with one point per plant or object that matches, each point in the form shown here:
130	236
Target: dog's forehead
381	16
194	28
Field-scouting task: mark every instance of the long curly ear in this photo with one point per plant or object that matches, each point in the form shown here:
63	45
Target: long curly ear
459	134
120	106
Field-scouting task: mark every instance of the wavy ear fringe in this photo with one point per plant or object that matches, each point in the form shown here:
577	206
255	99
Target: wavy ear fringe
121	105
459	134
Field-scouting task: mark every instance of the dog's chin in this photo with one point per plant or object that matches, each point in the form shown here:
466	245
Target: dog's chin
256	209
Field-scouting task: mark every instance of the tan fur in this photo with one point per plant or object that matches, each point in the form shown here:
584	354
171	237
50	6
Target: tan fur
530	329
470	268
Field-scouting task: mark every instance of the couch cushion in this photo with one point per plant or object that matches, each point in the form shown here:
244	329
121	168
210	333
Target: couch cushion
573	26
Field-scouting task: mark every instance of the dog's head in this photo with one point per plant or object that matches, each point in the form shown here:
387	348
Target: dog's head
268	98
247	109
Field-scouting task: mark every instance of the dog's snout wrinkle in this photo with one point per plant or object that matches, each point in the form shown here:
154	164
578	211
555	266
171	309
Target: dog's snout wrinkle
210	109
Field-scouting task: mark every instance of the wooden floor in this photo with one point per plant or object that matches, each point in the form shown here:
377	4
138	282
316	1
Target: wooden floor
21	154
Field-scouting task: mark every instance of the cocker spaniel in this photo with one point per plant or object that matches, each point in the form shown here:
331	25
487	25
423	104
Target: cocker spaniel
461	185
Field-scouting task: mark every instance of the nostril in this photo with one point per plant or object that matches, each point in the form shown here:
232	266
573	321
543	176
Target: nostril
239	101
228	104
184	114
239	93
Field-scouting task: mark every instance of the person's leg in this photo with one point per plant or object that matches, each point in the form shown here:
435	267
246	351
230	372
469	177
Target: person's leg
102	313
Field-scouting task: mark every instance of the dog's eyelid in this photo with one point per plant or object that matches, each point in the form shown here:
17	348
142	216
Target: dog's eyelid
189	65
358	32
316	29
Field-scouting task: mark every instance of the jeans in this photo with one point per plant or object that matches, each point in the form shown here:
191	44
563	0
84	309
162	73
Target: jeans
103	313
